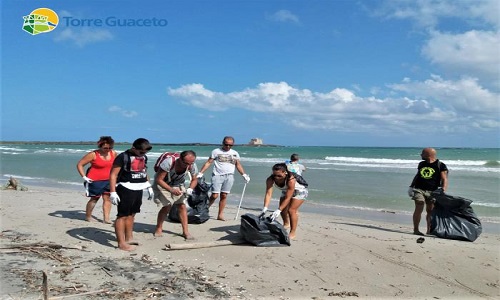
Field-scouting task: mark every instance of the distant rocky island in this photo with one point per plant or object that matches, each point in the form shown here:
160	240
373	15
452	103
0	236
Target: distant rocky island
256	142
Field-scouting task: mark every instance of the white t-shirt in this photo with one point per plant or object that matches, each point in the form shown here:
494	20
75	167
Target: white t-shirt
295	167
225	161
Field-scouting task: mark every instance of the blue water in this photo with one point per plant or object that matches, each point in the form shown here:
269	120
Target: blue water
339	177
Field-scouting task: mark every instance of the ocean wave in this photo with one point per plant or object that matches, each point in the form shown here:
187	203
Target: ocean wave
465	165
62	150
4	148
22	177
492	163
485	204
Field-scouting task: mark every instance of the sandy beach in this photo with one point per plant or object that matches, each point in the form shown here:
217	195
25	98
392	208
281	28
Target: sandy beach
43	230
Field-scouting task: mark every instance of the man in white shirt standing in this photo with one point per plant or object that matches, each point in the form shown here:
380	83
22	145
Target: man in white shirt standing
226	160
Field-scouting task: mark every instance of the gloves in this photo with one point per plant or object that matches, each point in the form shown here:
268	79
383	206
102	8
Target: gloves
263	212
151	193
246	177
189	192
276	213
411	192
199	175
113	196
86	179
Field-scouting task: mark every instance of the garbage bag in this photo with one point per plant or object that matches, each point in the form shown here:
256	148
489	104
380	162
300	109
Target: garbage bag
197	205
453	218
263	232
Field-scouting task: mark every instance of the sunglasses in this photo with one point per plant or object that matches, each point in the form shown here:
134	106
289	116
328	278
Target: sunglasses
106	148
278	176
228	145
142	152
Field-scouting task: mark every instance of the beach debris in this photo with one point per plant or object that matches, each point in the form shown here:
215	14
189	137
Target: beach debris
14	184
420	240
45	286
343	294
43	250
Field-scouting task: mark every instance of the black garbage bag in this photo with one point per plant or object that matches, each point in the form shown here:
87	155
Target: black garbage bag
197	205
263	232
453	218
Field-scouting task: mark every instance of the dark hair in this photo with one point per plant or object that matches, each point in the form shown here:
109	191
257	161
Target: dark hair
227	137
294	157
142	144
105	139
281	167
186	153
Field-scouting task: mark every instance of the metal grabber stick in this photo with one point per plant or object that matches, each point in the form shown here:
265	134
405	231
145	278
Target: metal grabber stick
241	200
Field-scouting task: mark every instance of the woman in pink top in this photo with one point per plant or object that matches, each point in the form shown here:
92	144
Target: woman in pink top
96	179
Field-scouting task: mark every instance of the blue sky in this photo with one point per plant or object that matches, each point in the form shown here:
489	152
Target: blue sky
312	73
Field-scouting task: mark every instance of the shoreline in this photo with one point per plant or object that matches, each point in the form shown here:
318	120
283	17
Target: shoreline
403	218
330	257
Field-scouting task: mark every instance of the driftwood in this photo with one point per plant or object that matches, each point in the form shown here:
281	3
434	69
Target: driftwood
198	245
41	245
45	286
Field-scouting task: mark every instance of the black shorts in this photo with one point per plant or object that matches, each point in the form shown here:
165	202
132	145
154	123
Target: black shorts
130	201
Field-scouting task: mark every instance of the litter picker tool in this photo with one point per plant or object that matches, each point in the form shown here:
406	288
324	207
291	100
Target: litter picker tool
241	200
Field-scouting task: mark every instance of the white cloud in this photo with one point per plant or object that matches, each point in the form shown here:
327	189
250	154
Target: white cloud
123	112
474	52
470	49
464	96
284	16
83	36
428	13
435	103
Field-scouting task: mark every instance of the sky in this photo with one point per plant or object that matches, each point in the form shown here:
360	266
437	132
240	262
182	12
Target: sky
295	73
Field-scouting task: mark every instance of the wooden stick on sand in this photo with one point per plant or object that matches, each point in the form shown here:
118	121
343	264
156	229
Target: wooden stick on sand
197	245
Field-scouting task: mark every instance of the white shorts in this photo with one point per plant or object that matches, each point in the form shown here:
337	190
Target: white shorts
222	183
297	194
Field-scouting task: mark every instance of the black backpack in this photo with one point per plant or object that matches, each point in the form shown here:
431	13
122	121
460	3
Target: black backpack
300	179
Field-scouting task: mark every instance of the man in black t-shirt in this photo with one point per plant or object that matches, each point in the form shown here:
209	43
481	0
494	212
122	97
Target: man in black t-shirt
432	174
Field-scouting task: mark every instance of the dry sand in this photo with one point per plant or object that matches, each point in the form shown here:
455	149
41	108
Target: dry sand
44	230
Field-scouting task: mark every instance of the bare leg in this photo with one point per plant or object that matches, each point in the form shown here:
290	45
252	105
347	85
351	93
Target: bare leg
293	213
212	199
284	216
120	225
106	208
417	214
129	228
184	222
162	215
222	205
428	209
90	207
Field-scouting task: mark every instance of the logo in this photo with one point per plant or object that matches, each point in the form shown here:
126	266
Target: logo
427	172
41	20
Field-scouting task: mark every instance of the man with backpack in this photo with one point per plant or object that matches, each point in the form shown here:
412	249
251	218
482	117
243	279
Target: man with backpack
171	171
432	174
127	178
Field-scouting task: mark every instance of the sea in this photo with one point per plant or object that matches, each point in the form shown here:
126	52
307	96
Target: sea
354	181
